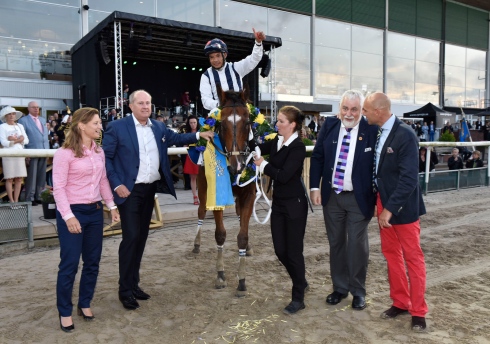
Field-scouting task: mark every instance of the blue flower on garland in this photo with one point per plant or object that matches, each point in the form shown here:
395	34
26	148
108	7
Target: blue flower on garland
210	121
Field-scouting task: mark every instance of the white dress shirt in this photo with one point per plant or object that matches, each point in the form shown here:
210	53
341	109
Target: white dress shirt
348	186
387	126
148	151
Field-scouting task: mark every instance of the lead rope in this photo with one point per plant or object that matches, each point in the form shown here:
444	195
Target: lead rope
258	186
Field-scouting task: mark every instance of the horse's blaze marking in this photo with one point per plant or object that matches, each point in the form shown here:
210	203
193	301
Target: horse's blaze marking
234	118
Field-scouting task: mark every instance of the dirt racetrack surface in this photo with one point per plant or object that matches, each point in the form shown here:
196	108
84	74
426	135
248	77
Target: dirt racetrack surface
185	307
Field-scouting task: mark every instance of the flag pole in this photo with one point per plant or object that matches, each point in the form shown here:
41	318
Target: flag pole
466	123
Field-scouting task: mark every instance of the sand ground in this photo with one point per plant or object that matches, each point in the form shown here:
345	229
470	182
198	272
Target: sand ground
185	307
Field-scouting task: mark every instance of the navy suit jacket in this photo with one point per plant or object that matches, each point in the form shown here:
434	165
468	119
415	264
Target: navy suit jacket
325	153
398	175
121	150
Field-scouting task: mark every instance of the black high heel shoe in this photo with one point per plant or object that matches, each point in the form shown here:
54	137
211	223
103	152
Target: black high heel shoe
85	317
67	329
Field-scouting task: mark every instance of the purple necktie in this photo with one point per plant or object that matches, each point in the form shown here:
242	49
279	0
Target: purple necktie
338	180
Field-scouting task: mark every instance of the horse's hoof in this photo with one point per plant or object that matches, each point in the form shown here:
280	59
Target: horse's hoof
196	249
250	252
240	293
220	283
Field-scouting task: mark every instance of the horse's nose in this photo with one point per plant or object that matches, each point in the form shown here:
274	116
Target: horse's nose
232	170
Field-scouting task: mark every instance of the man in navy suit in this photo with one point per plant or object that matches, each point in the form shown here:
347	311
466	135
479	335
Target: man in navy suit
345	150
399	206
136	158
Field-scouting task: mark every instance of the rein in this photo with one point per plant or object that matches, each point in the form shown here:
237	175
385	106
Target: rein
259	188
234	142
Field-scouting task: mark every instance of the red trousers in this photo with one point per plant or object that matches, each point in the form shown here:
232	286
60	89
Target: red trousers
400	245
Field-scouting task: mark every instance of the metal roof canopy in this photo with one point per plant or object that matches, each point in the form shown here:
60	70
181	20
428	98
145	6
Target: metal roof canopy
170	38
155	39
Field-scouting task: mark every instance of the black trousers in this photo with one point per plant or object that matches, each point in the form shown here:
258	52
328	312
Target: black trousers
135	215
288	224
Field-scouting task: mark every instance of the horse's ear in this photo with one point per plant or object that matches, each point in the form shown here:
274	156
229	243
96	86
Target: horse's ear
221	94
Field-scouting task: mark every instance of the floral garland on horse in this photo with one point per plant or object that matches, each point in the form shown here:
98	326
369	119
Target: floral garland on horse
260	125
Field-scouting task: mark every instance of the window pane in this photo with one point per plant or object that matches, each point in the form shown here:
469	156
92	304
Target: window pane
26	59
243	17
400	91
475	59
401	45
425	93
367	40
455	56
368	65
146	7
38	21
293	55
335	61
332	34
400	69
427	73
367	85
455	76
475	79
75	3
95	17
331	85
427	50
453	96
289	26
475	98
295	82
189	11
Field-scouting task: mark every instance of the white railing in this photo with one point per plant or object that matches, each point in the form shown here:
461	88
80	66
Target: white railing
451	144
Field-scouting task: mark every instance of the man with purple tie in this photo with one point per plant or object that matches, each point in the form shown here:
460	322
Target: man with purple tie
343	157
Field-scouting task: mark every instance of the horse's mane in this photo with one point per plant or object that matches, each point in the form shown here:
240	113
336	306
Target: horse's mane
232	96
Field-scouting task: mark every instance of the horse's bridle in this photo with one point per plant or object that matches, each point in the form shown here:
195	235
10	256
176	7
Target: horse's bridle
234	145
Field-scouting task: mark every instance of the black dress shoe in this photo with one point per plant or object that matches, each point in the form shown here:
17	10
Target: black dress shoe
85	317
418	324
393	312
67	329
140	294
294	307
34	203
335	298
129	302
359	303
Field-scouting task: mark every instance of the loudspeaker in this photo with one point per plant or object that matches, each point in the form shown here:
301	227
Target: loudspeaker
102	53
266	70
265	64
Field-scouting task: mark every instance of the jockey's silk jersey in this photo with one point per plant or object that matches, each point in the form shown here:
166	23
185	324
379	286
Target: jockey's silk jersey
230	77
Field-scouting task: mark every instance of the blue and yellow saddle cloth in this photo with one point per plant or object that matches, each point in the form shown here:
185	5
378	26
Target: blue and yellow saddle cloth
219	193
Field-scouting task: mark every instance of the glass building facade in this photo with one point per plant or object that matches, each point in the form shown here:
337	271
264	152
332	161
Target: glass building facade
418	52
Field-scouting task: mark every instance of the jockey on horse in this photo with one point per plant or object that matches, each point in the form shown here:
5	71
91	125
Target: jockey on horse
226	74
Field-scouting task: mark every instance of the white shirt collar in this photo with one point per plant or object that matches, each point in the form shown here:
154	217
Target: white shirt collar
148	122
280	140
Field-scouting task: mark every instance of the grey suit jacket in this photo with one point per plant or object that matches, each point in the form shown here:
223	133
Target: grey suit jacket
37	140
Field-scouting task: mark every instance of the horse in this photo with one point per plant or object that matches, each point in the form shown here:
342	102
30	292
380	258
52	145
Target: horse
233	132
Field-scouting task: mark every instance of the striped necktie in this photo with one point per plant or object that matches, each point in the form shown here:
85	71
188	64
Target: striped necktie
338	180
375	185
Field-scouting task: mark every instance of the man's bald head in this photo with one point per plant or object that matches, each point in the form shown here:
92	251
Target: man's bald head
377	108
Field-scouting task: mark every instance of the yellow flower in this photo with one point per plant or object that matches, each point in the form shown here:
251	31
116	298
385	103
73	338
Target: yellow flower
216	115
206	126
270	136
260	118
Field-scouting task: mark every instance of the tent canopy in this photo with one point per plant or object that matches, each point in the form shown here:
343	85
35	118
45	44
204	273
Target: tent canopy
428	110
